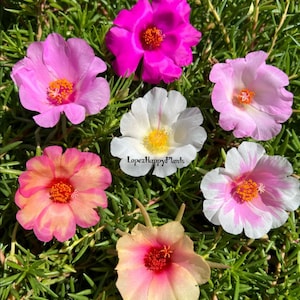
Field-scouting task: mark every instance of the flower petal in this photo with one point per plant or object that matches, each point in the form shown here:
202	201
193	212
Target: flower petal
56	220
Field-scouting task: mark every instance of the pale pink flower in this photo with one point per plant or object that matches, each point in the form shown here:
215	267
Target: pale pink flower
250	96
59	190
252	193
156	34
159	263
59	76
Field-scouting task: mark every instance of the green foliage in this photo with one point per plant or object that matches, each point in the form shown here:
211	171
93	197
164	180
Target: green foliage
84	267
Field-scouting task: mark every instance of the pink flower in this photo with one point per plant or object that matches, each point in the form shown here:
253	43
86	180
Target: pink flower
157	34
159	263
250	96
252	193
58	191
60	76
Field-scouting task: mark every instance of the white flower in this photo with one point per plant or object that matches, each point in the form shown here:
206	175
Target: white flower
159	131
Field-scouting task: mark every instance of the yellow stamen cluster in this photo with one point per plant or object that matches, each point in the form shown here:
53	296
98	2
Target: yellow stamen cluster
157	141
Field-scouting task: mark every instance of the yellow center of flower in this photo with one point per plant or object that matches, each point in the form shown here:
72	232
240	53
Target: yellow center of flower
152	37
245	96
158	259
61	191
59	91
157	141
248	190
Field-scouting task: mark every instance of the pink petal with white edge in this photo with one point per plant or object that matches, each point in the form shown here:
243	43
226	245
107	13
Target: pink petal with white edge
244	158
281	189
31	207
234	216
56	220
176	283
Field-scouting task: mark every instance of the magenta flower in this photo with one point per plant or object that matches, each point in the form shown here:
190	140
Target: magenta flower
159	263
157	34
252	193
60	76
250	96
59	190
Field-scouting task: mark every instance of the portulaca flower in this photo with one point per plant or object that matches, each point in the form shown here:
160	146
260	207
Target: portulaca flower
159	263
250	96
252	193
159	131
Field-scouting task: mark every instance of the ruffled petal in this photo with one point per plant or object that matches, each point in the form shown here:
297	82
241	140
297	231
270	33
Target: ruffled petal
56	220
176	284
50	117
93	95
244	158
56	56
83	206
31	207
74	112
131	288
122	44
83	59
157	67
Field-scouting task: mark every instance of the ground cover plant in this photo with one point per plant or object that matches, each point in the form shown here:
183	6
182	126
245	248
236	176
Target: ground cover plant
86	181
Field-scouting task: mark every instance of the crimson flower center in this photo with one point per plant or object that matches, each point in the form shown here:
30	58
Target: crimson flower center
59	91
245	96
158	259
152	37
61	191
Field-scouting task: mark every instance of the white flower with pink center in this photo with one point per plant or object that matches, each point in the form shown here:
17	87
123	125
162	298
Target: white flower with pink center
252	193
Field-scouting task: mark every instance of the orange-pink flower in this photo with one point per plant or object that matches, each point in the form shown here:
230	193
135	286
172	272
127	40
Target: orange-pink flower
59	190
159	263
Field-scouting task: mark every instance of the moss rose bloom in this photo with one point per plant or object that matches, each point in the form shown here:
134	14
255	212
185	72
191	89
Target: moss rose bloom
252	193
160	132
59	190
159	263
158	35
250	96
59	76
